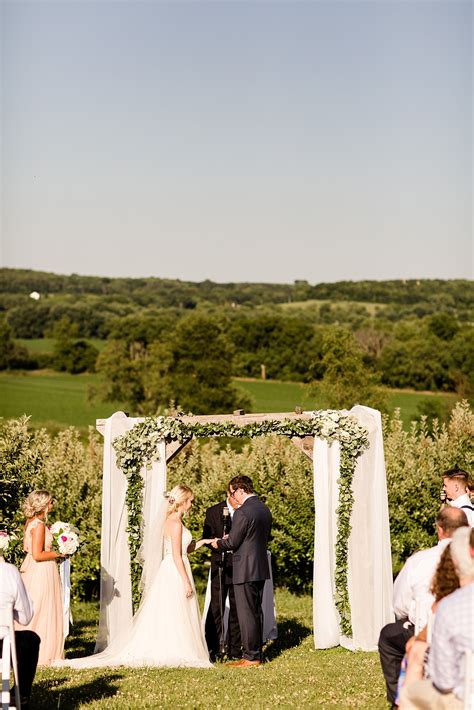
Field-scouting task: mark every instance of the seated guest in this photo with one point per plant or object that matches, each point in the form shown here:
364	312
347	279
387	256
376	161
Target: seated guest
412	590
445	582
458	492
452	637
12	591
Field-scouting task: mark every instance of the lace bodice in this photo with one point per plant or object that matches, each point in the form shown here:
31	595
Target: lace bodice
185	541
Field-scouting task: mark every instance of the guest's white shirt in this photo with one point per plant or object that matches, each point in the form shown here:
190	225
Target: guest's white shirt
413	584
462	501
12	591
453	635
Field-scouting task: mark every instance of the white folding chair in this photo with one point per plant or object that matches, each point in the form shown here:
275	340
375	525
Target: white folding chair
7	636
418	617
469	680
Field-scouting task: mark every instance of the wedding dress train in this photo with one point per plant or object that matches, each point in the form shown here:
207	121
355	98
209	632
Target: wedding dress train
166	630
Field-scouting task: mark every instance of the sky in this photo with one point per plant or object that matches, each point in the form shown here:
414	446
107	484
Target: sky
239	140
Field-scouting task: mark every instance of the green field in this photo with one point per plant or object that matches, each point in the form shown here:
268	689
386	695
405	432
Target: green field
46	345
285	396
295	675
314	304
52	399
56	400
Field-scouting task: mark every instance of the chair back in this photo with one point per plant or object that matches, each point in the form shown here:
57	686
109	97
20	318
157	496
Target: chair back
418	618
469	680
7	635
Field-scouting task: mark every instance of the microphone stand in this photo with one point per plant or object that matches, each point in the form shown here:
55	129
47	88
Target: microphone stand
225	530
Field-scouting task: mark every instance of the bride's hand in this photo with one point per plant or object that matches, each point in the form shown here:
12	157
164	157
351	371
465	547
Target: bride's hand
195	545
188	591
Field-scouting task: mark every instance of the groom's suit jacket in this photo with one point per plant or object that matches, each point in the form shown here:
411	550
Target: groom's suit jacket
251	526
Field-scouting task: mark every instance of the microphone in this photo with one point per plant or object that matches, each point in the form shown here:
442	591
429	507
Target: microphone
225	521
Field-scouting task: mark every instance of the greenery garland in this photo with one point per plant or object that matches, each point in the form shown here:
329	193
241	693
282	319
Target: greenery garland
139	447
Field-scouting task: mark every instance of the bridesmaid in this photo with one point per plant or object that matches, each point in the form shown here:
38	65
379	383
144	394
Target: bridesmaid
41	577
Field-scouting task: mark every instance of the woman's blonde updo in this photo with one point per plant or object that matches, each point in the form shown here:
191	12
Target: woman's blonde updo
177	496
36	503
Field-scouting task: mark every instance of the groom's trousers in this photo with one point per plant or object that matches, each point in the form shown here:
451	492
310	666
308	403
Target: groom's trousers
248	599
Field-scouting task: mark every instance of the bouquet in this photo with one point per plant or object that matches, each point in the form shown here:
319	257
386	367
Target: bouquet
66	538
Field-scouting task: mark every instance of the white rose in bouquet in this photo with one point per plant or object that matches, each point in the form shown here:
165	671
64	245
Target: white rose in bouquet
65	537
67	543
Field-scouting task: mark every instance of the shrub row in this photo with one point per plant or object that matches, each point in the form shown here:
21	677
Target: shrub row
71	469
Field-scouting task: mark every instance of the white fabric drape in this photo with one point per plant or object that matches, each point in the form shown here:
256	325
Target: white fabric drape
369	553
65	575
115	585
370	580
326	498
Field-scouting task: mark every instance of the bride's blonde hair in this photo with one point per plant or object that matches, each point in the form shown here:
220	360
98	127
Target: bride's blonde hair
37	502
177	496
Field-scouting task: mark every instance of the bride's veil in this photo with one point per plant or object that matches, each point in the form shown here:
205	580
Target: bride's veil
150	553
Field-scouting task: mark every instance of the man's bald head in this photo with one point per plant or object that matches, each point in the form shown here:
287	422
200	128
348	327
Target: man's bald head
450	519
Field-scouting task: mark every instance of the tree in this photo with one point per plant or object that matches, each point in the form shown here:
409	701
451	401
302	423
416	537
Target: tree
72	355
443	325
416	358
346	380
122	375
194	369
462	353
7	345
12	355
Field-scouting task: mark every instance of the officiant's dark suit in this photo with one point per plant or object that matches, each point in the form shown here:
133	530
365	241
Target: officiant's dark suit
214	527
248	539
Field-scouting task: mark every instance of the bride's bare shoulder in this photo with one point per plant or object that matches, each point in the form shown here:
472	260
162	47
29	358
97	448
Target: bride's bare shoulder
173	524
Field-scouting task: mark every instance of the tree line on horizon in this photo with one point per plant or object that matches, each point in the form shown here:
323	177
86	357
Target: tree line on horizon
188	355
165	293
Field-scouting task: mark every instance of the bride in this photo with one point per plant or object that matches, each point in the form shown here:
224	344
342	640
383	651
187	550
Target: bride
167	629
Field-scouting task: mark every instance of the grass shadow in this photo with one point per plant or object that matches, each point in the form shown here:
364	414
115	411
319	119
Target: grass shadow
49	694
290	634
82	640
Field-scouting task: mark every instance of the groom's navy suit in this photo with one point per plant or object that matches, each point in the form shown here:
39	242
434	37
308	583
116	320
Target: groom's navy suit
221	583
248	539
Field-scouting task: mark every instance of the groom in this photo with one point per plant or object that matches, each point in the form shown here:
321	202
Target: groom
248	540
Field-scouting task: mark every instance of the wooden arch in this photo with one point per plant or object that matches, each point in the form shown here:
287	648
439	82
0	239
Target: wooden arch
240	418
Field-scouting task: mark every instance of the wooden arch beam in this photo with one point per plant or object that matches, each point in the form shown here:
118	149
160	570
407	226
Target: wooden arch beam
305	444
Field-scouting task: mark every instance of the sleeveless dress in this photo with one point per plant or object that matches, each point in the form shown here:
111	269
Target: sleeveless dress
43	585
166	631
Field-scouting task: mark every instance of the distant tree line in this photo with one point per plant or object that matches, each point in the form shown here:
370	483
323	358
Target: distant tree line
155	355
165	293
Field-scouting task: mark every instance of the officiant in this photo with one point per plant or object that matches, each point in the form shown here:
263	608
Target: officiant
218	522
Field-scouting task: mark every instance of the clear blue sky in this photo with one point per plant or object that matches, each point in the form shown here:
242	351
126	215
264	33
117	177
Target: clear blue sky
238	141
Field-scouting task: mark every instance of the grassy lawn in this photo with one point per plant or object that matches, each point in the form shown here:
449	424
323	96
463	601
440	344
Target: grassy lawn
285	396
295	674
53	399
57	399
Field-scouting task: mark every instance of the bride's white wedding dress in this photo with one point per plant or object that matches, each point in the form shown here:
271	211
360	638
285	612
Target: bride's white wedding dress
166	630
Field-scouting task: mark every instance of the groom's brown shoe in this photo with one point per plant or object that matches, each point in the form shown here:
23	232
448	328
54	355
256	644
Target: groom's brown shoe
245	663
